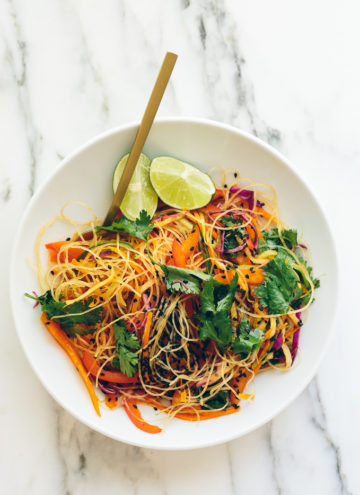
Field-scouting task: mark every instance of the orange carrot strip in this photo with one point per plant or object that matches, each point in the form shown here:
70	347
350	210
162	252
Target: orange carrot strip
264	348
178	254
266	214
111	401
225	277
239	384
254	276
254	222
54	248
134	414
62	339
147	329
191	242
205	415
110	376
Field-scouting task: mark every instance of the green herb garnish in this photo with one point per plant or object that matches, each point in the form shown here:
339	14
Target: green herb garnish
247	340
72	315
216	300
140	228
126	342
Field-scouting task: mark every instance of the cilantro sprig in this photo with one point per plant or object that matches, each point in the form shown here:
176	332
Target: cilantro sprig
215	301
71	317
182	279
272	239
218	401
234	237
126	343
281	285
140	228
248	339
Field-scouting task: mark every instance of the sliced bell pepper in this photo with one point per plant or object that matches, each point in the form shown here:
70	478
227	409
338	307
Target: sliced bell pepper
62	339
192	242
54	248
178	254
109	376
134	414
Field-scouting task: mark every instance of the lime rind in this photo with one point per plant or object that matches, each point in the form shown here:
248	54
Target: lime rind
140	194
179	184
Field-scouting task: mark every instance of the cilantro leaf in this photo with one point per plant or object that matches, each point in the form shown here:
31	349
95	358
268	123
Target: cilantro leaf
216	300
277	292
183	280
218	401
272	239
248	340
71	322
126	342
232	238
141	228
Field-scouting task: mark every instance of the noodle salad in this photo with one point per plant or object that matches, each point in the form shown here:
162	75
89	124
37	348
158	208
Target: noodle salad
182	310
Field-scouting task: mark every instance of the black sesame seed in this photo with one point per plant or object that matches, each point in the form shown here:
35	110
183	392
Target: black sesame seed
247	276
225	185
52	272
192	248
109	266
68	238
109	399
235	174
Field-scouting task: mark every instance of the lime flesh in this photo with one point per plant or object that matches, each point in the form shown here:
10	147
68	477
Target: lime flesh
140	194
179	184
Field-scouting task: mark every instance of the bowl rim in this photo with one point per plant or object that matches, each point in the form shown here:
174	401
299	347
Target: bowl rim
217	125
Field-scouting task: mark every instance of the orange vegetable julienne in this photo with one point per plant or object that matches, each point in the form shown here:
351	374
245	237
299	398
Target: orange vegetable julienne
266	214
201	416
192	242
111	401
254	222
178	254
134	415
254	276
62	339
239	384
54	248
109	376
147	329
225	277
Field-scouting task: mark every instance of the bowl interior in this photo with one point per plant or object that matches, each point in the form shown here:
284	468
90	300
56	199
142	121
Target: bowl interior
86	176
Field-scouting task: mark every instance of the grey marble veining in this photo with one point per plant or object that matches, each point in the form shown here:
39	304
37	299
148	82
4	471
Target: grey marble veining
285	71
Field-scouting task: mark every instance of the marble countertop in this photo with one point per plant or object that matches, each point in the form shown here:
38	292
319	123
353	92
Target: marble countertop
286	71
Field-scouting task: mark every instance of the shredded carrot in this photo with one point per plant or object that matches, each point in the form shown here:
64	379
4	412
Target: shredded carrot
191	243
178	254
147	328
111	401
266	214
62	339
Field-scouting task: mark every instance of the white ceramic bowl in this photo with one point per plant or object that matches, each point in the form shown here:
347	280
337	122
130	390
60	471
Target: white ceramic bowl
86	176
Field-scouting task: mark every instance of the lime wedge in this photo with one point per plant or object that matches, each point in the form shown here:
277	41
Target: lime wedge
140	194
179	184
